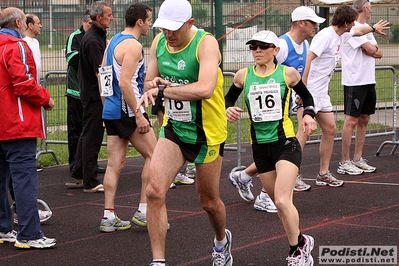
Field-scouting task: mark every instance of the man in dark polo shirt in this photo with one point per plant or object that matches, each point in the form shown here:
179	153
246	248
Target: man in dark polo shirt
90	58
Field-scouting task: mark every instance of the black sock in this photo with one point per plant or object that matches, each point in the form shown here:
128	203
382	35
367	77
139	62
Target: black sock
301	240
159	261
293	249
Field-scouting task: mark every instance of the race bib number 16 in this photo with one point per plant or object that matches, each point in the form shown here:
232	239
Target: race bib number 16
178	110
265	102
106	80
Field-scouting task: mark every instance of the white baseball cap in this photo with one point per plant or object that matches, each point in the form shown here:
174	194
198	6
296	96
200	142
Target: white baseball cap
173	14
265	36
305	13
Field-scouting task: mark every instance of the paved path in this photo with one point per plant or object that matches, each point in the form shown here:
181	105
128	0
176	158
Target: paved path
363	212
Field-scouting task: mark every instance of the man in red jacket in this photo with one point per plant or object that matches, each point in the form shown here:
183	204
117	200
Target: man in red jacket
21	123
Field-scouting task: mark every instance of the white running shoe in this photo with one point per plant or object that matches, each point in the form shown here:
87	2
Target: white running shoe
224	257
265	204
349	168
296	259
362	164
43	242
182	179
307	250
8	237
244	189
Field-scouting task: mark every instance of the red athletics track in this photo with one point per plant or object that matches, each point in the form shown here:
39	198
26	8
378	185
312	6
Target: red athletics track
363	212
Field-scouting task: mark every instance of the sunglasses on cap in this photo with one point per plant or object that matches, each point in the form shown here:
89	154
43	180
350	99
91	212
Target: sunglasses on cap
262	46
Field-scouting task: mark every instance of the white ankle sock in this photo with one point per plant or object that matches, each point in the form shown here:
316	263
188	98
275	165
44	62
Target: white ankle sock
263	194
244	177
219	245
109	213
143	208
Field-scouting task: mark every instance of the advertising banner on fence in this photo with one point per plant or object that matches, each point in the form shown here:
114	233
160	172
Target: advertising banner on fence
236	50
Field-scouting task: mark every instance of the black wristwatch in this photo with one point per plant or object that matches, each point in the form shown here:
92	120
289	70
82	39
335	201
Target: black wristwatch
160	91
373	27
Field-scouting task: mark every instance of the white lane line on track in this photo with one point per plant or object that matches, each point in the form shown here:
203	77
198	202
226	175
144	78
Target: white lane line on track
360	182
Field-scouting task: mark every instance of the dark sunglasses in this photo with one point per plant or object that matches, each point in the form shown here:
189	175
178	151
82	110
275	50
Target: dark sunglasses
262	46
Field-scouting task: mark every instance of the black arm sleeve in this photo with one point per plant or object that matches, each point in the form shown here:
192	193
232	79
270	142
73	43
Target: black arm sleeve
232	95
307	98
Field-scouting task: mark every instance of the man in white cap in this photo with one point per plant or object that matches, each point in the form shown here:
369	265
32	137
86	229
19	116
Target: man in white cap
184	69
323	57
293	50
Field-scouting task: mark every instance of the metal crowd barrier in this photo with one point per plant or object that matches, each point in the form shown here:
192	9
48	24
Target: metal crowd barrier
383	122
57	125
394	141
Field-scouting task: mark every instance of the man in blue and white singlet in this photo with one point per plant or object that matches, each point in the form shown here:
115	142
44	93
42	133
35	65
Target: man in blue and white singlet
123	123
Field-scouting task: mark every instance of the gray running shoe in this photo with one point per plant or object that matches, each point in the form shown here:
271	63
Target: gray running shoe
300	185
349	168
8	237
224	257
328	179
362	164
116	224
43	242
191	171
139	219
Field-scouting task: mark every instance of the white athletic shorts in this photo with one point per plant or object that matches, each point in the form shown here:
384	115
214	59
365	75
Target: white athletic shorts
322	104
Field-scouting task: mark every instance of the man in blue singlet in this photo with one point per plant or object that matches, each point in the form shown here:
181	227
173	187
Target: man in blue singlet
123	122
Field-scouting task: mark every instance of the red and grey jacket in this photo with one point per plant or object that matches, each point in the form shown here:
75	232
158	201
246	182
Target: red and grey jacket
21	97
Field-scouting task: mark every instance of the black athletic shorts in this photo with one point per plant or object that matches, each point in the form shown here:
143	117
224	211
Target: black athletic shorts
267	155
195	153
360	100
123	127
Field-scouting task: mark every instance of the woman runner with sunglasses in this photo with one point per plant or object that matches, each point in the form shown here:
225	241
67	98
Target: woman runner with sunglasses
276	152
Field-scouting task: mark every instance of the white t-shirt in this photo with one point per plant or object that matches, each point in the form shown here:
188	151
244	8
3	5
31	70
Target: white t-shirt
34	46
358	68
326	45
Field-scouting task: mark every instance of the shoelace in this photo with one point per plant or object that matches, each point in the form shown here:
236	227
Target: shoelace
245	186
330	177
218	258
292	261
300	182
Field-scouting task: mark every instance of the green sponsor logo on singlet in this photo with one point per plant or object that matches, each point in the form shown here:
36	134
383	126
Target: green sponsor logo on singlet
212	153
